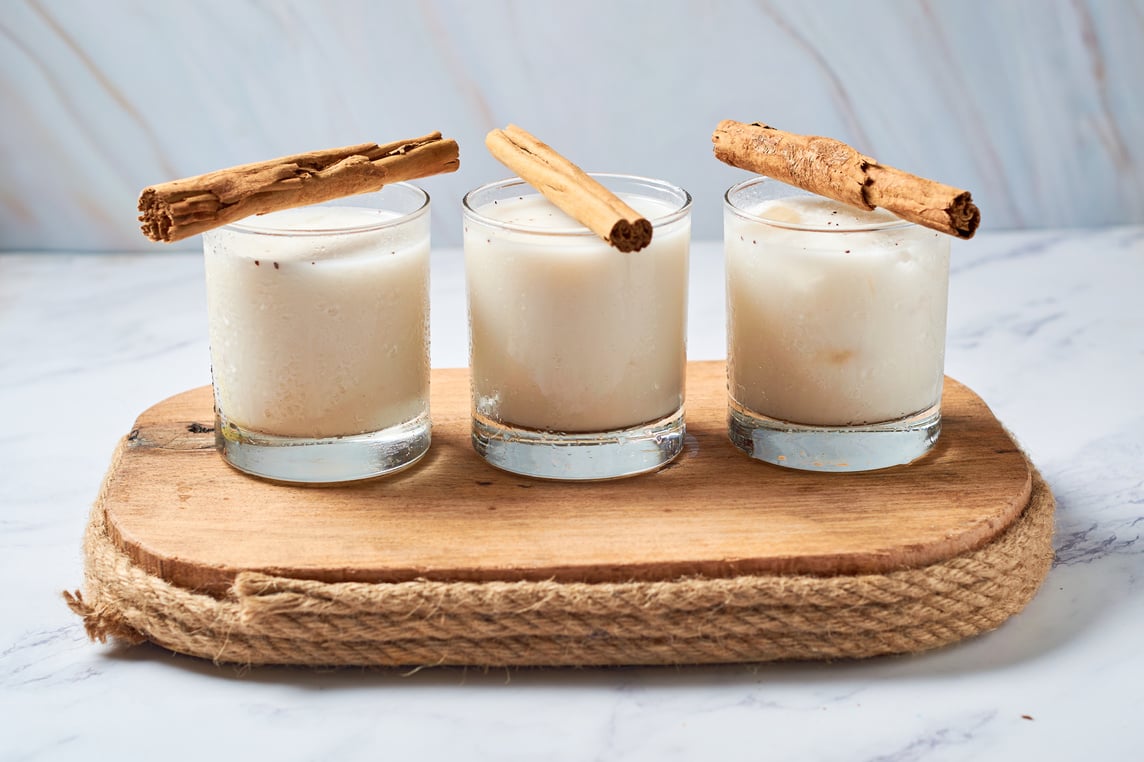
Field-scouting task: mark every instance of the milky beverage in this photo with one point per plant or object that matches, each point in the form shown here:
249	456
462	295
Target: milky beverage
319	335
569	334
834	328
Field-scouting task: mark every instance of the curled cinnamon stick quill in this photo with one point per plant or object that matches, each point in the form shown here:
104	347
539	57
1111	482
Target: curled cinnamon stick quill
181	208
570	188
833	169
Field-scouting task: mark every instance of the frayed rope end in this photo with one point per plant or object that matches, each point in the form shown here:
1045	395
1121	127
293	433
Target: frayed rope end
99	621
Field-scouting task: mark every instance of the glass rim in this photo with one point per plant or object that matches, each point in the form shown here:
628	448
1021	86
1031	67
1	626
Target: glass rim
246	226
578	231
892	224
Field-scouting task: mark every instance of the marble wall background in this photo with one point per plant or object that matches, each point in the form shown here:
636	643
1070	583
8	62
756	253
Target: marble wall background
1034	105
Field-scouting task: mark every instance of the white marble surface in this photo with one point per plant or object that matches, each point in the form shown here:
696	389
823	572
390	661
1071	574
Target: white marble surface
1033	105
1047	326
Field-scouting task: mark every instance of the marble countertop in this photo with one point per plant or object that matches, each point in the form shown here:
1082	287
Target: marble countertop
1048	327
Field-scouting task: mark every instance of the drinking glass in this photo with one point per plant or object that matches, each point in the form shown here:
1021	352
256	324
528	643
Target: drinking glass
318	322
578	350
836	330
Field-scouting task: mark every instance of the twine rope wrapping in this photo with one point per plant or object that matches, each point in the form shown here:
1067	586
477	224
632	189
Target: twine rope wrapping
752	618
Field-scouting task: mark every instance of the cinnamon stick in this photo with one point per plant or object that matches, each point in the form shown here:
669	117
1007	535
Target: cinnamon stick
570	188
833	169
178	209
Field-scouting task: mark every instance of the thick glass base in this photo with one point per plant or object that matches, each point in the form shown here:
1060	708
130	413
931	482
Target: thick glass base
834	448
323	461
579	456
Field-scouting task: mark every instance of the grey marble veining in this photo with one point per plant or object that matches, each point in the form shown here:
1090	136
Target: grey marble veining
1047	326
1033	105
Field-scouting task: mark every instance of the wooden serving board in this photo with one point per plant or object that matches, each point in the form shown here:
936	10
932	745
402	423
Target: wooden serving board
179	512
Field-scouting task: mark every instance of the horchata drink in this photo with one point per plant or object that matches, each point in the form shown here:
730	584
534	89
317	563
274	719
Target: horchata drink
319	337
578	350
836	330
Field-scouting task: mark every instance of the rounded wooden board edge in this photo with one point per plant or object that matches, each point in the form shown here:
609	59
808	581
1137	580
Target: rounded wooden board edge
753	618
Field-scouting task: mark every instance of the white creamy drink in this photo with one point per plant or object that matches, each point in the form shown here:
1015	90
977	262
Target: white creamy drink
318	323
567	333
831	328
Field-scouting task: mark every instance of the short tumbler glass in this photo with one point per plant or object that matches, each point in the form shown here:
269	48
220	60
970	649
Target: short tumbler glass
319	320
578	350
835	330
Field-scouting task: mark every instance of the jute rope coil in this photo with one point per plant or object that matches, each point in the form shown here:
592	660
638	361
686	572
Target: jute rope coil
754	618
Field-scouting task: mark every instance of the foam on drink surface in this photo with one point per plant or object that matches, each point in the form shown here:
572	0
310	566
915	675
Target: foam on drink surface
820	214
536	212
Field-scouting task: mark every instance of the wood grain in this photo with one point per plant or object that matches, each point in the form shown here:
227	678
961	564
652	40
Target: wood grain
181	513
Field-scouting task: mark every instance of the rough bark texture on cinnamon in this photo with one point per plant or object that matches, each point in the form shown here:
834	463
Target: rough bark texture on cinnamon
570	188
181	208
833	169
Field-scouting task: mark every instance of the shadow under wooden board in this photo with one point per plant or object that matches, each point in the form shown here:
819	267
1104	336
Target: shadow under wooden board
180	513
